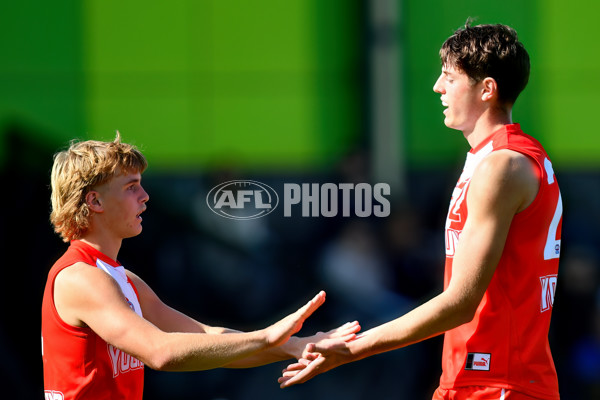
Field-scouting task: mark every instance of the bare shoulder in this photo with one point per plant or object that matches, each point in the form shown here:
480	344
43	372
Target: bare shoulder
507	177
81	276
508	164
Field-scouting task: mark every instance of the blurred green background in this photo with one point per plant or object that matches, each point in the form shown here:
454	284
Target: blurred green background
272	84
279	91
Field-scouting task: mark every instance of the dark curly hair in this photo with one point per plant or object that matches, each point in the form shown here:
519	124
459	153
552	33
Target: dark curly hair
493	51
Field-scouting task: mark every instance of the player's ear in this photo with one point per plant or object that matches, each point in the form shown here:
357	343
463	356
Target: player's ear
93	201
490	89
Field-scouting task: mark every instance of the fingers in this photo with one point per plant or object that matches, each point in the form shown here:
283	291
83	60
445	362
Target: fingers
349	325
308	356
283	381
300	364
300	375
292	370
290	377
309	349
347	328
316	301
281	331
348	337
310	307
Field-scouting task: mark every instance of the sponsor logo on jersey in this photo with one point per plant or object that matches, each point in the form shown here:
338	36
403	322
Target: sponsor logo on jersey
548	290
122	362
53	395
478	362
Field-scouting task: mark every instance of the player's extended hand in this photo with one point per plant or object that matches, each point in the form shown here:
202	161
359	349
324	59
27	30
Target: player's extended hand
317	358
281	331
343	333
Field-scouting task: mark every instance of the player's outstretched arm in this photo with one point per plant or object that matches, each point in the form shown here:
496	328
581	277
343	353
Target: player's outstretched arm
220	350
503	185
192	352
86	296
171	320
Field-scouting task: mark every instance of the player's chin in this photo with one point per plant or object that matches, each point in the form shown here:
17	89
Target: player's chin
448	122
134	231
452	124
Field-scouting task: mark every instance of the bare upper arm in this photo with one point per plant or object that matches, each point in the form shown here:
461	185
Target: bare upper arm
505	180
86	296
77	290
504	184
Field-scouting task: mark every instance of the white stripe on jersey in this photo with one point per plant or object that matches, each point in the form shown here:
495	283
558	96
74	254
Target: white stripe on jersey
119	275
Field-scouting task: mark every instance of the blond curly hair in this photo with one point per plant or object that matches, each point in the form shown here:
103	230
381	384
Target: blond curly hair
78	170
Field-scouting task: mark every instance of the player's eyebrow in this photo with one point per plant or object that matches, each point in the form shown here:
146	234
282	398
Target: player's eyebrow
132	180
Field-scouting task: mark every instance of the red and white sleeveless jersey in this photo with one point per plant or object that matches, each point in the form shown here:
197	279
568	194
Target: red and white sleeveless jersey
506	343
78	364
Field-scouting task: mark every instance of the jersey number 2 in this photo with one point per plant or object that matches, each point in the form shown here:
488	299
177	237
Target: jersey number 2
552	248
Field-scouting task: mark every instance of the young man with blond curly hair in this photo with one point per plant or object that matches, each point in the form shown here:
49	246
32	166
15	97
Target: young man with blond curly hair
101	324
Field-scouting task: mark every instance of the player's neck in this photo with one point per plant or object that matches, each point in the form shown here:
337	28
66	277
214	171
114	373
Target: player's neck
488	123
106	244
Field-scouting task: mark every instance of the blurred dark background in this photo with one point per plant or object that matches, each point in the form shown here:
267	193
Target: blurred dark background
284	92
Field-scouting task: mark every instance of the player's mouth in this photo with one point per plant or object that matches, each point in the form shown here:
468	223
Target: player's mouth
445	105
139	215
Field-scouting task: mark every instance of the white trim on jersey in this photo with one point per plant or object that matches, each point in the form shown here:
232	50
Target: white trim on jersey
119	275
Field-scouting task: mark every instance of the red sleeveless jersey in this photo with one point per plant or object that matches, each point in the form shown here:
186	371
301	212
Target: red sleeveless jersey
506	343
78	364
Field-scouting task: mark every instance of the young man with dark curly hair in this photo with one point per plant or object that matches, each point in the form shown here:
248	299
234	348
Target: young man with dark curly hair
503	234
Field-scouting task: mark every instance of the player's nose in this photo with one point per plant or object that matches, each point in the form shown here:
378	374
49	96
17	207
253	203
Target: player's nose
437	86
144	196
